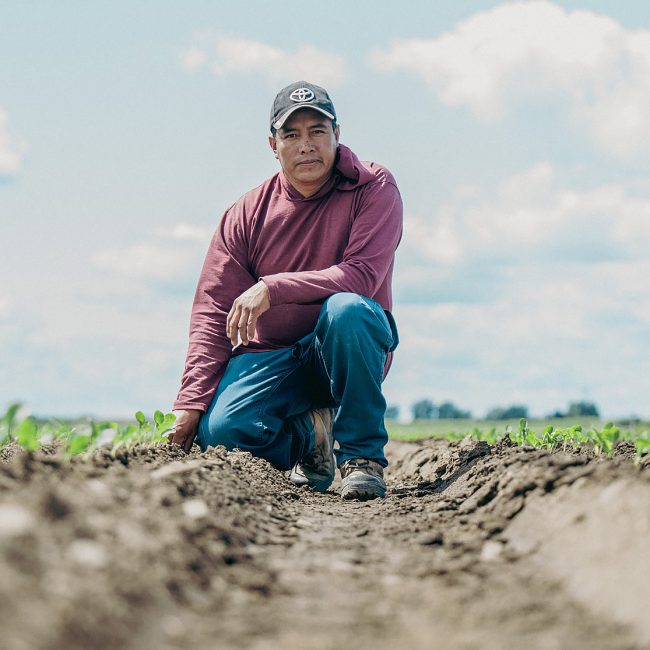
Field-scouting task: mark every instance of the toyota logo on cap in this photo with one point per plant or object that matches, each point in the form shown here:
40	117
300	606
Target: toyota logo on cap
301	95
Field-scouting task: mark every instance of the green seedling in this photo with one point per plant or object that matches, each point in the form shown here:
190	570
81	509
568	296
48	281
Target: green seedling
602	441
27	435
8	422
78	444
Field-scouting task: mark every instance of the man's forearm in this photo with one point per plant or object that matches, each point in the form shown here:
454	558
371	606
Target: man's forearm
305	287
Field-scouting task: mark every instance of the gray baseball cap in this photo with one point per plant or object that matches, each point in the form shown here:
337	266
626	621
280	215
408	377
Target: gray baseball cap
300	94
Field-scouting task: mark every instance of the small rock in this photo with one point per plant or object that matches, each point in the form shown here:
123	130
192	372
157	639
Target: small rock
491	551
98	488
430	539
303	523
14	520
195	508
88	553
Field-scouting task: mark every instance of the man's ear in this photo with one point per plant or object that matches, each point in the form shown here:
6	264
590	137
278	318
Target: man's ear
337	131
274	145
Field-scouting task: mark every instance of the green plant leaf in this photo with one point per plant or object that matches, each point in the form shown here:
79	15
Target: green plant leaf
78	444
27	435
9	418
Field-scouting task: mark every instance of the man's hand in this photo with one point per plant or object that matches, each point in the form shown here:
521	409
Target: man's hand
184	430
245	311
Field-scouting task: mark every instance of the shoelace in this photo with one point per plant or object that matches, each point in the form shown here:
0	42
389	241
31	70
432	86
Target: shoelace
359	463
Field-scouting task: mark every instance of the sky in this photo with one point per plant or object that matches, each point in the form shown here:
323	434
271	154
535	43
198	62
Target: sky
518	132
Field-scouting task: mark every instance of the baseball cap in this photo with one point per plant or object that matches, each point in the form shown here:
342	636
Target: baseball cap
300	94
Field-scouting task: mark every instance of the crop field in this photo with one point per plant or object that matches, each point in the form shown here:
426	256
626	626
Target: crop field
497	535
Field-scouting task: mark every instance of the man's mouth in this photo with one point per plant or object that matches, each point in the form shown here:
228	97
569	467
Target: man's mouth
308	162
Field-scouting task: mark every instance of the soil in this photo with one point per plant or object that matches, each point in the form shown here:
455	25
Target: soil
475	546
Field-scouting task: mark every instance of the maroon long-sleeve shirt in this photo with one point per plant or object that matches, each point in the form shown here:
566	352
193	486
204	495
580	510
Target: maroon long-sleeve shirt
343	238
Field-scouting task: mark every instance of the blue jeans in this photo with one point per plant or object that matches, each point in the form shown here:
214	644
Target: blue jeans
263	400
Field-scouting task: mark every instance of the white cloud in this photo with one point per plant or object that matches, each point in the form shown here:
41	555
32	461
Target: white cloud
226	55
549	335
185	232
193	58
11	153
144	260
533	49
173	253
530	215
529	292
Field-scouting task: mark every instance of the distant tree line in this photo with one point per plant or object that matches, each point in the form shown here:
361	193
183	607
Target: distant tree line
426	409
584	409
514	412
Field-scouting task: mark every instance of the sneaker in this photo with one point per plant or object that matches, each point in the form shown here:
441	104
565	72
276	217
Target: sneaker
362	479
317	467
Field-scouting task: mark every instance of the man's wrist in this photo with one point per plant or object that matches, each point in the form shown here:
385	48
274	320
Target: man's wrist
270	291
189	414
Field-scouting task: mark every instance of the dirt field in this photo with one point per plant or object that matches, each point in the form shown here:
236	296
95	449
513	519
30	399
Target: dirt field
474	547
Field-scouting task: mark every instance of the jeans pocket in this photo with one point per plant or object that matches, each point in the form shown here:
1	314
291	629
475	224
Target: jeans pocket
393	329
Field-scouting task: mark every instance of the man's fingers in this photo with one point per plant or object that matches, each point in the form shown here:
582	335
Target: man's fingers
252	321
188	444
171	438
233	324
231	313
242	325
182	439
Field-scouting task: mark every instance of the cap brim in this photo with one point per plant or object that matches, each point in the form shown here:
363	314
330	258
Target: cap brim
283	118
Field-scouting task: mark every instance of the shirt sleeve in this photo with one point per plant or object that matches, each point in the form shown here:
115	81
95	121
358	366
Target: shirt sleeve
374	236
225	276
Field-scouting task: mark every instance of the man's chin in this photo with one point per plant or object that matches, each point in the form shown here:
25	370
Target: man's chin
309	178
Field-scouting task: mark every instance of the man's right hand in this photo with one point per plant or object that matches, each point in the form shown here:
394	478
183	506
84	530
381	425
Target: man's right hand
184	430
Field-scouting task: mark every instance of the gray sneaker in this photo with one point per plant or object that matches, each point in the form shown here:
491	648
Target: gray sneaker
362	479
317	467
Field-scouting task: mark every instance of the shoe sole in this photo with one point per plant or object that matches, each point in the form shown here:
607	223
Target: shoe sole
364	489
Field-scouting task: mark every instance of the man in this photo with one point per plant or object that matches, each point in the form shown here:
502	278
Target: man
291	333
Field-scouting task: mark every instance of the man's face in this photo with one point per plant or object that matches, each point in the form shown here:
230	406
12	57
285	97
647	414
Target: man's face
306	148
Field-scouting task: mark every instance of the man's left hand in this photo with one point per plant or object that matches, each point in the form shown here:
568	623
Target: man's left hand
245	311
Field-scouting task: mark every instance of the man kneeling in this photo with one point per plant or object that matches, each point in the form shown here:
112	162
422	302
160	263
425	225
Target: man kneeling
291	334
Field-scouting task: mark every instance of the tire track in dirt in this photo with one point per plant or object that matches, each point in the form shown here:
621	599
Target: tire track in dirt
155	549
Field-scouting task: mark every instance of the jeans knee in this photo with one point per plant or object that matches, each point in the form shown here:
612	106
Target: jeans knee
223	428
354	317
345	307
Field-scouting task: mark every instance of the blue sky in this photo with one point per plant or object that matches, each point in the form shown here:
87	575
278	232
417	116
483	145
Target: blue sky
518	133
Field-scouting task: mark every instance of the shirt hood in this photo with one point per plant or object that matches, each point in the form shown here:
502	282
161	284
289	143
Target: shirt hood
350	170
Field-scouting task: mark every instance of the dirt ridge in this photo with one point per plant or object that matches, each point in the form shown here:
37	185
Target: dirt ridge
156	549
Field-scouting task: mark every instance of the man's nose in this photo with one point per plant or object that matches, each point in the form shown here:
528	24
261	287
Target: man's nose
306	144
